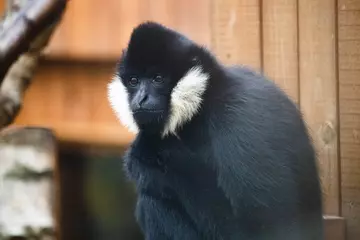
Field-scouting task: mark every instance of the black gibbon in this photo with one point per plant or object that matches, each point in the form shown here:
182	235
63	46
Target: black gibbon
220	151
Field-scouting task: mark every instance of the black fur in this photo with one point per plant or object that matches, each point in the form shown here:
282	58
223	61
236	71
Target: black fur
243	168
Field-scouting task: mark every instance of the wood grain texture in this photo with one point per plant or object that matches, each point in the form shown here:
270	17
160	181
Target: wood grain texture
318	90
349	94
280	43
236	34
71	99
349	32
348	17
349	5
93	30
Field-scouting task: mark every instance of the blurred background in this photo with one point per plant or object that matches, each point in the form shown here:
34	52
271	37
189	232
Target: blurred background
311	48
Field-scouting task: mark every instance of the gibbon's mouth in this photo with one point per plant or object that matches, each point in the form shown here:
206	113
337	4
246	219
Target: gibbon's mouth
149	117
143	110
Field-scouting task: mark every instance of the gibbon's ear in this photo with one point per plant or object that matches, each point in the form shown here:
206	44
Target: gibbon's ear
196	60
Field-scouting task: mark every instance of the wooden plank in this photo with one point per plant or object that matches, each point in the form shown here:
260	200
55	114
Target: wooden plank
280	43
349	95
349	121
348	18
334	228
349	152
318	90
350	107
349	76
349	62
349	32
176	14
236	35
349	5
350	135
349	47
349	91
93	30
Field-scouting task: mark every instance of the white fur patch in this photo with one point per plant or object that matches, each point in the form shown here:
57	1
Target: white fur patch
186	99
118	98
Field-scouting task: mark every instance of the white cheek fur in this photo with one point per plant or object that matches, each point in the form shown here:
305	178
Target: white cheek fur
118	99
186	99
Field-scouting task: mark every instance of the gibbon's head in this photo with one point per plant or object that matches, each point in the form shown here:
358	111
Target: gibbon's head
159	82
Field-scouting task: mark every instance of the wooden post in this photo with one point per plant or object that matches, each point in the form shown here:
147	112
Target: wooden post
280	42
318	91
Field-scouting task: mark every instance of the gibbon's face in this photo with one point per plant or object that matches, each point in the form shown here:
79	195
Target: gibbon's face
158	85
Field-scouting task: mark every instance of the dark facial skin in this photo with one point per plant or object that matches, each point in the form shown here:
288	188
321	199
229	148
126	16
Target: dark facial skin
149	97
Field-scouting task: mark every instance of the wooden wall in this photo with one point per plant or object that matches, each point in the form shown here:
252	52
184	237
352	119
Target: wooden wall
94	30
309	47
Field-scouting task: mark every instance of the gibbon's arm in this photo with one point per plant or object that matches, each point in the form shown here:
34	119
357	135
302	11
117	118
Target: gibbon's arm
251	147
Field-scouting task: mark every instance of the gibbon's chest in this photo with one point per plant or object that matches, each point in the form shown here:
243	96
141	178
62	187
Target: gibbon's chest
177	173
168	165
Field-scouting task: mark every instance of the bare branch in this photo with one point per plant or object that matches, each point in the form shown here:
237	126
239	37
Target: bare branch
24	26
18	79
26	33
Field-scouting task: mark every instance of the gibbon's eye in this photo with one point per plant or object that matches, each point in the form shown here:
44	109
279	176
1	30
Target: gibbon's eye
158	79
133	81
195	60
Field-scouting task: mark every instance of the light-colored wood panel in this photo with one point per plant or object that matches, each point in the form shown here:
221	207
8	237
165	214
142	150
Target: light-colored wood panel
348	18
280	35
349	91
236	35
318	90
353	166
349	5
349	94
350	106
349	62
350	76
94	30
350	135
349	47
349	151
71	99
349	32
349	121
350	204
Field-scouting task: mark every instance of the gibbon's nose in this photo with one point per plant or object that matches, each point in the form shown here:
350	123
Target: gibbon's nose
141	99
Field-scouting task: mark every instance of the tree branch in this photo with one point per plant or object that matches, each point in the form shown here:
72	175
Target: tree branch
24	34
